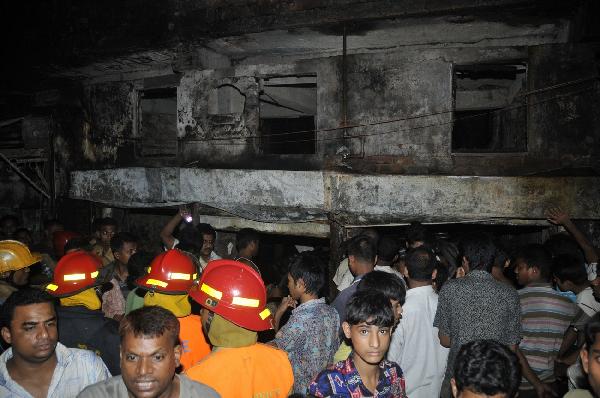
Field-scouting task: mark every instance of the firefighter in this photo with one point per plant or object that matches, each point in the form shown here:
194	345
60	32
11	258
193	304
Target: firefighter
233	297
15	260
171	275
81	324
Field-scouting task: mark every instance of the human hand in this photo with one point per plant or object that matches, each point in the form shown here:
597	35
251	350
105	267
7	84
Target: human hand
557	216
544	390
185	213
286	302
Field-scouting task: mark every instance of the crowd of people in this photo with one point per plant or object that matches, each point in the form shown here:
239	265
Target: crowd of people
422	315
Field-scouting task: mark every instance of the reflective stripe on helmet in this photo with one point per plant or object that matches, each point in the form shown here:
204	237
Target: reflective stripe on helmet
73	277
51	287
211	292
245	302
156	282
179	276
94	274
264	314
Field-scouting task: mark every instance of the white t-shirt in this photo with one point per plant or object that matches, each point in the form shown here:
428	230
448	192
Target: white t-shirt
587	302
416	346
343	277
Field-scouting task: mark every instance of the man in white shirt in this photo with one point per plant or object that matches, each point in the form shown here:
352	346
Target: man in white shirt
571	276
37	365
415	343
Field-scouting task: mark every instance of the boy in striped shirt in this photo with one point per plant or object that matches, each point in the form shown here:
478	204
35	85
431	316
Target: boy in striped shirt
549	320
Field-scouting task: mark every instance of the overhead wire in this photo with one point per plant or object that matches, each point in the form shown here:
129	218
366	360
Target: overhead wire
228	140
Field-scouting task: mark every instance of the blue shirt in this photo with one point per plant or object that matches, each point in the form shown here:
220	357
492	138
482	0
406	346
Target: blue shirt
343	380
310	338
75	370
342	299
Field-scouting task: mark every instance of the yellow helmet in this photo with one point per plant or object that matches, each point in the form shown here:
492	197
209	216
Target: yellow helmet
15	256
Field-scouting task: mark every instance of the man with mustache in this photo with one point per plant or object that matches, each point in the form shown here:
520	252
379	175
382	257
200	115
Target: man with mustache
150	353
37	365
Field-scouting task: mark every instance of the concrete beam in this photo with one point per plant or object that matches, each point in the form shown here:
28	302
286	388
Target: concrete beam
279	196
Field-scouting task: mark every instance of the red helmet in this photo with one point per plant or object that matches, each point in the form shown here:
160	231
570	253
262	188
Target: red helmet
171	272
74	273
60	239
236	292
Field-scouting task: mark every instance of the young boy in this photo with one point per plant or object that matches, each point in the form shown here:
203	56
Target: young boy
571	276
368	324
485	368
123	246
106	229
310	337
392	288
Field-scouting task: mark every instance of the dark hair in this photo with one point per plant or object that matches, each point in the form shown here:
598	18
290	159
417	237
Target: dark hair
136	267
387	283
487	367
479	249
150	322
447	253
206	229
117	241
310	268
566	267
558	244
591	330
244	237
363	248
416	232
77	243
20	298
535	255
371	307
387	248
420	264
105	222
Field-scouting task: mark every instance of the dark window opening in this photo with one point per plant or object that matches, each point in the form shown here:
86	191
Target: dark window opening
288	108
490	115
288	135
158	122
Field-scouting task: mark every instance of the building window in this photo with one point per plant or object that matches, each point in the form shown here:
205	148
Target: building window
158	122
288	109
490	115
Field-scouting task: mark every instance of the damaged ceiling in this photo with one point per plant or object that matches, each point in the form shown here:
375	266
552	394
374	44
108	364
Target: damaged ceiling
84	39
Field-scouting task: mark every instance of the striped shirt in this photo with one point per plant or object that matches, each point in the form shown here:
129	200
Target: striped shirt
545	317
75	370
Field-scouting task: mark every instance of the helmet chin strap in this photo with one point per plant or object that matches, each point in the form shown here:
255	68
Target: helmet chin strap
208	322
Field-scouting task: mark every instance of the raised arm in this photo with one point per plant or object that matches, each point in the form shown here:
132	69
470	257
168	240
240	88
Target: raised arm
166	234
558	216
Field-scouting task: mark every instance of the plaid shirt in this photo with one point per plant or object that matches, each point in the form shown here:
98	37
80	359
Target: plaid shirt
342	380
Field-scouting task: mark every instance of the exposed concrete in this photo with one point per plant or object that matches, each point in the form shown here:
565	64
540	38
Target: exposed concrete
282	196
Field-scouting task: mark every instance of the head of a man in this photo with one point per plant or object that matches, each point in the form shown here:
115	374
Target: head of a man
485	369
421	265
368	324
208	236
388	284
8	226
107	228
150	352
362	254
416	235
569	273
123	246
306	275
387	250
533	264
590	354
28	321
478	251
247	242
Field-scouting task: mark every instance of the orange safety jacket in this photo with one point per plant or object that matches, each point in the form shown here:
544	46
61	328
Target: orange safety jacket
193	343
256	371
